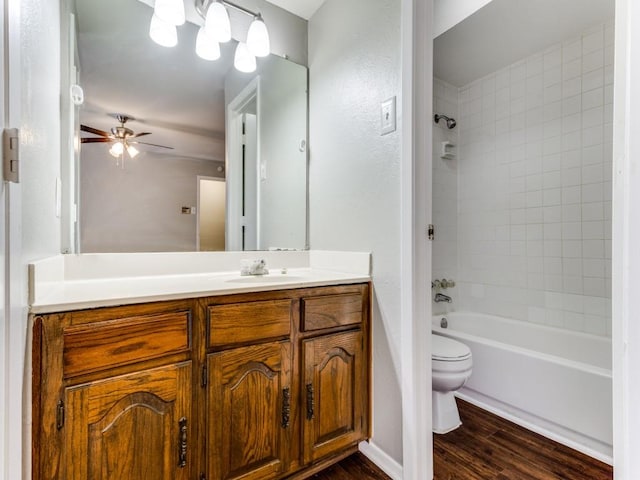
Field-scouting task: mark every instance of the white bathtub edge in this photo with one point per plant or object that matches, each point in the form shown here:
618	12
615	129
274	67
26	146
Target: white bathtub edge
538	425
387	464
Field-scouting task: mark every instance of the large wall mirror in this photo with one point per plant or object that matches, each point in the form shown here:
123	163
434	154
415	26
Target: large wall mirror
218	158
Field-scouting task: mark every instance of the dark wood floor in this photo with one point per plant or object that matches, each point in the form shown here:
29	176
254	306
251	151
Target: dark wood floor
355	467
487	447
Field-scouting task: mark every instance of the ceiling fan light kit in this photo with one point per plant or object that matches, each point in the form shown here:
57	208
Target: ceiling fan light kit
216	29
121	138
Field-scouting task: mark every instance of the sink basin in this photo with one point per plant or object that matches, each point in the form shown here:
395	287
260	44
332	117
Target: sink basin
265	279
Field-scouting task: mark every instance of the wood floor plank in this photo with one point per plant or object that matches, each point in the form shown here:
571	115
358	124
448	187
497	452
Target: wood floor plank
354	467
487	447
497	449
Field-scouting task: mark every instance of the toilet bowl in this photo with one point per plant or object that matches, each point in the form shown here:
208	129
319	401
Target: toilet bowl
451	367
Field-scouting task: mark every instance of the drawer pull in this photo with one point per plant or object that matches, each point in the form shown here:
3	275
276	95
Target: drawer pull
286	407
182	457
310	402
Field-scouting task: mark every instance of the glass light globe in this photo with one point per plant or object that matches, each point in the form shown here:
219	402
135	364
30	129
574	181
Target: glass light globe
217	22
116	149
171	11
258	38
132	151
244	60
207	46
163	33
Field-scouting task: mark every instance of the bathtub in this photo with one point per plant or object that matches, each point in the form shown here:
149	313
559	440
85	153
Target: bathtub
552	381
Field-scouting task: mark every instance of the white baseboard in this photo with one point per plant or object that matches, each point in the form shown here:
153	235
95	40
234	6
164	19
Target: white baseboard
387	464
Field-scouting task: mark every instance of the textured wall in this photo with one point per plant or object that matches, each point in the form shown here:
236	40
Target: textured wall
534	185
138	208
35	96
354	173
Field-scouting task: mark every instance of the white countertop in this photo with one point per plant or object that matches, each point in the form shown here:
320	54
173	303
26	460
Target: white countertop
62	283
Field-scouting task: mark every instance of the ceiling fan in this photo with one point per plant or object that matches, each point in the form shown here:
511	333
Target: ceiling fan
123	138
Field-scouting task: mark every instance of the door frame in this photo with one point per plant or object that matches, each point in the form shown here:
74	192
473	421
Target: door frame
416	201
234	113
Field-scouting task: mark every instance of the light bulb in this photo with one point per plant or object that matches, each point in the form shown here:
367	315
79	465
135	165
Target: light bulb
244	60
217	22
116	149
132	151
163	33
207	46
258	38
170	11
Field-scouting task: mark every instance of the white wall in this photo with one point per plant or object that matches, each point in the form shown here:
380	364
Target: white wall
35	229
354	173
535	166
448	13
138	208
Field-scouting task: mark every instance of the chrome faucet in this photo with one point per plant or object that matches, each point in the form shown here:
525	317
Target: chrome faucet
253	267
441	297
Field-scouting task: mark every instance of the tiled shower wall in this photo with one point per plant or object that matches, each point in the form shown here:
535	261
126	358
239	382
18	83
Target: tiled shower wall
534	187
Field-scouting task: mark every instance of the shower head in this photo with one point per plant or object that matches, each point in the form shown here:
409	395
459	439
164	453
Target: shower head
451	123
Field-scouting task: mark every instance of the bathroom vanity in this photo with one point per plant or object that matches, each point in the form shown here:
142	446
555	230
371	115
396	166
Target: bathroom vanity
255	385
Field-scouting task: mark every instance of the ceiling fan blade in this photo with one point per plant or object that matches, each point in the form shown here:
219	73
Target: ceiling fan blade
153	145
140	134
96	140
95	131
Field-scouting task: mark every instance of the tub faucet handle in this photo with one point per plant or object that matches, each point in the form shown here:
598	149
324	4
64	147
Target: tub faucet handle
447	283
436	284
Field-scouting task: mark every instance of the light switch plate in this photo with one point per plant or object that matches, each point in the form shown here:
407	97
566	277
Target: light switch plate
388	116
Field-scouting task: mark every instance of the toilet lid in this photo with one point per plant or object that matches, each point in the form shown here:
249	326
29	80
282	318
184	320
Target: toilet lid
443	348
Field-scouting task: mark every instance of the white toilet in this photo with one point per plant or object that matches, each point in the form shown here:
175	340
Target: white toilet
451	367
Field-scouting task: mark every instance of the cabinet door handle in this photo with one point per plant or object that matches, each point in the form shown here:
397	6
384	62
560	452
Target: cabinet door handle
310	402
182	447
286	407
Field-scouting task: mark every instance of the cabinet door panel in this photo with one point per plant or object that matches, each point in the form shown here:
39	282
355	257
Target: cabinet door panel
248	437
335	385
129	427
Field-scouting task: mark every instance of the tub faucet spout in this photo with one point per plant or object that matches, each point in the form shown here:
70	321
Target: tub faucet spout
441	297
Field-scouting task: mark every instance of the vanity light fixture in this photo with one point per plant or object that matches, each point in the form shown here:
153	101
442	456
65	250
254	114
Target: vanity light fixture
244	60
258	38
170	11
207	47
217	22
163	33
216	30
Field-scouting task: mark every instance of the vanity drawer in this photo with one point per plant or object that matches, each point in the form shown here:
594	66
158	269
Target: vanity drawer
331	311
248	322
122	341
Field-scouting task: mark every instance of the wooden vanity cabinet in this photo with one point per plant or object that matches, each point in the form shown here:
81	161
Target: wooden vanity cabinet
112	393
260	386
